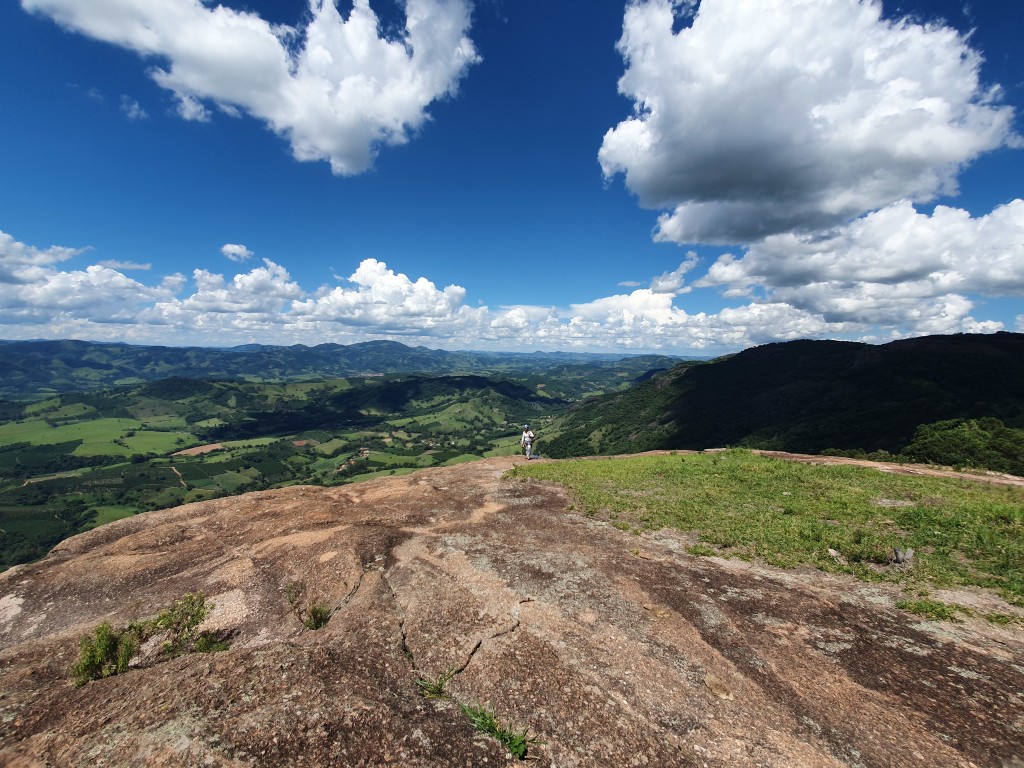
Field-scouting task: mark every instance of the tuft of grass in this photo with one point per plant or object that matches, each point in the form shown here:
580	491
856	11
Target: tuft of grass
484	720
315	615
933	610
790	514
701	550
1002	619
435	689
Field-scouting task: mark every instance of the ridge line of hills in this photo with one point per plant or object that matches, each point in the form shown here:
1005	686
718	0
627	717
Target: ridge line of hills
44	368
78	459
812	396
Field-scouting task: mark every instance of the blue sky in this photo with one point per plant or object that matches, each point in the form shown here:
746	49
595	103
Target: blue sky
692	178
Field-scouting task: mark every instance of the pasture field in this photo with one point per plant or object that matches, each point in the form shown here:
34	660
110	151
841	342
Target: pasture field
110	513
157	442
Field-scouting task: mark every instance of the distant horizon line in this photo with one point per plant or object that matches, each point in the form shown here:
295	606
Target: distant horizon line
582	353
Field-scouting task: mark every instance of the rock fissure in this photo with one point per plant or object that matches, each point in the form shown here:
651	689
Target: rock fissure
351	593
400	614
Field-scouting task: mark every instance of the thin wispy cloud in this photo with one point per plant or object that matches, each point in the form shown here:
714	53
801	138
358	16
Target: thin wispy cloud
132	109
125	266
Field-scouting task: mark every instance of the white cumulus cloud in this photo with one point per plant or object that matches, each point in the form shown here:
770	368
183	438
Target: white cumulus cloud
894	267
336	88
33	290
386	300
847	296
674	281
763	117
236	252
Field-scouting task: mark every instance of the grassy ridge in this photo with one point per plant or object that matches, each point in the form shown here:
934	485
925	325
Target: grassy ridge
790	514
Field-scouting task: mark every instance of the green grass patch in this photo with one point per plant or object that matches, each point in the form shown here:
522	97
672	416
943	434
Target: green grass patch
789	514
933	610
109	514
364	476
388	459
484	720
461	459
157	442
257	442
232	481
330	446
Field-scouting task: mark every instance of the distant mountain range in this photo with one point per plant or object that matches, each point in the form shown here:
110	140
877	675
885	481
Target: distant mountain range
43	368
807	396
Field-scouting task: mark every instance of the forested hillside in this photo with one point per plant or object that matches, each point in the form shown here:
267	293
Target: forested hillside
809	396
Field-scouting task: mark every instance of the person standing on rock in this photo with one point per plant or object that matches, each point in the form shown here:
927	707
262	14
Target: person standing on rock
526	441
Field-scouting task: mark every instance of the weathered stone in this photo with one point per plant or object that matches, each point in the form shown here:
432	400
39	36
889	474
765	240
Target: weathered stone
610	654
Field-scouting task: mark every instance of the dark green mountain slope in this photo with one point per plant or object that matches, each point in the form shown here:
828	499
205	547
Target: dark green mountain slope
808	396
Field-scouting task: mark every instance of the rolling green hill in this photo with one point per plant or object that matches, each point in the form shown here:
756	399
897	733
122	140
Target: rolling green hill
808	396
39	369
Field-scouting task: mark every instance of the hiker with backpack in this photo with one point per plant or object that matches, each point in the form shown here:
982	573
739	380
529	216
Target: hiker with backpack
526	441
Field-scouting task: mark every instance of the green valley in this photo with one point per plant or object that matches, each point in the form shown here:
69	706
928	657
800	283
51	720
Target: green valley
77	460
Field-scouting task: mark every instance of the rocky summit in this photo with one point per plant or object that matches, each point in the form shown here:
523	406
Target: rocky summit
590	645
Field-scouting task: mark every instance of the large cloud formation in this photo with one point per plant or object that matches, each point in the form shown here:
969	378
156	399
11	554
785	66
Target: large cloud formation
763	117
895	267
337	88
796	286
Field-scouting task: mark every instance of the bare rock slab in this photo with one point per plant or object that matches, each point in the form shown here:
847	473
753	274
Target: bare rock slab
550	620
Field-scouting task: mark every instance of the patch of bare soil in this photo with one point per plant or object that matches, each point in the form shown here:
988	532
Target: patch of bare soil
199	450
612	650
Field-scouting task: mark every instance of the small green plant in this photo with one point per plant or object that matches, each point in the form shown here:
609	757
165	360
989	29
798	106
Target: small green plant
485	721
103	654
933	610
434	689
315	615
180	622
210	642
108	652
319	615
